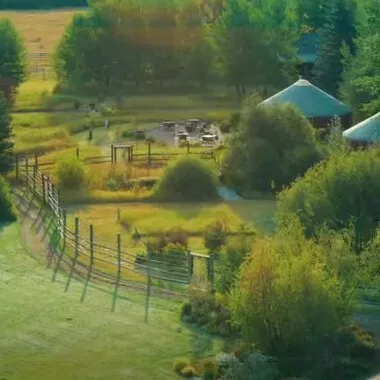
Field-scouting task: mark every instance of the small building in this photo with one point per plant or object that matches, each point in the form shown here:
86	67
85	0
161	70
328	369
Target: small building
365	133
315	104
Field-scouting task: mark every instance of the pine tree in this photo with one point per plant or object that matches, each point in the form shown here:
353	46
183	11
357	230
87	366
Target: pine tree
338	30
6	144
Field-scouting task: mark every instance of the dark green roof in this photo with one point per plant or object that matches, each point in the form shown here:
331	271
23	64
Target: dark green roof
310	100
307	47
366	131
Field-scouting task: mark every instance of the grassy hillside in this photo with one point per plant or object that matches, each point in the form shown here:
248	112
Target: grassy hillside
48	334
41	30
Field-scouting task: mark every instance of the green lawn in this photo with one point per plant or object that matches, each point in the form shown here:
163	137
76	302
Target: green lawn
48	334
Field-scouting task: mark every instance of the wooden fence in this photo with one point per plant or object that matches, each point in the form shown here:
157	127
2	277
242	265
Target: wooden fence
130	156
80	253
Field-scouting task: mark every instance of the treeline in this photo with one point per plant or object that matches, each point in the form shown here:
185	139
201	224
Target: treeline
40	4
241	43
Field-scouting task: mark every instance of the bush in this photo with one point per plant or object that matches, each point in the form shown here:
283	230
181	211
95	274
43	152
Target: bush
272	147
187	179
340	193
210	370
180	364
173	237
288	299
7	210
230	260
216	236
70	173
189	371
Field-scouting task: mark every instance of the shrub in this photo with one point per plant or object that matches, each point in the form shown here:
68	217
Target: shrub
70	173
254	367
287	299
7	210
210	370
272	147
216	236
189	371
230	260
180	364
339	193
173	237
186	310
187	179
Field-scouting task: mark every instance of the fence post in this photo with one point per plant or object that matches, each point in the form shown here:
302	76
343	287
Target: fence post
118	215
27	171
118	271
17	168
149	154
149	283
77	153
34	177
111	153
64	229
190	258
43	188
211	270
188	147
91	263
131	152
76	254
36	160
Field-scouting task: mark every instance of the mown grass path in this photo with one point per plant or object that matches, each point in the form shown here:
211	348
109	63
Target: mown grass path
48	334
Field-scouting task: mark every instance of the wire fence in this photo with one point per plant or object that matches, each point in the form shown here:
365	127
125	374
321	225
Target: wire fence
80	253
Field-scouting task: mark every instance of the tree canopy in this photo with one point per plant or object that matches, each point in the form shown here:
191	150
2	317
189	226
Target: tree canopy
273	146
13	64
6	144
339	193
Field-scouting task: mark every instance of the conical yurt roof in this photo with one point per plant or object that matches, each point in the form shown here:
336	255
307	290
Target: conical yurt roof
367	131
310	100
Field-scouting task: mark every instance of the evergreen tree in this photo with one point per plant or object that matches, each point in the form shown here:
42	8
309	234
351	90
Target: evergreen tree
6	144
338	30
13	64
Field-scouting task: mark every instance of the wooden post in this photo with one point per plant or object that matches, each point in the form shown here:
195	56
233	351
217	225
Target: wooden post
112	153
34	177
211	270
43	188
191	265
36	160
89	271
64	229
118	272
118	215
77	153
64	222
148	286
149	154
188	147
76	254
131	152
17	168
115	155
27	171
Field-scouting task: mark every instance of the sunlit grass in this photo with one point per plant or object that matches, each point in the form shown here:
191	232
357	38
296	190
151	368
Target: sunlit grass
41	30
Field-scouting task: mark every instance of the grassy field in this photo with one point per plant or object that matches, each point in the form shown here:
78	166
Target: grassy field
48	334
41	30
154	218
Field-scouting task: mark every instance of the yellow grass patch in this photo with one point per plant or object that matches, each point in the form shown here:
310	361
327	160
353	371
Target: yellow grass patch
41	30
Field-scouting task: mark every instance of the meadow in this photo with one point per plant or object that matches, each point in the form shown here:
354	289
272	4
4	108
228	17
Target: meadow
47	333
152	219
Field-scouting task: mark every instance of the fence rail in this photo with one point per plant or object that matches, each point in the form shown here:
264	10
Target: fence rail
83	254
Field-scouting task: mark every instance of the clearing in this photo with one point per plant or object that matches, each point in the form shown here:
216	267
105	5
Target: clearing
48	334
